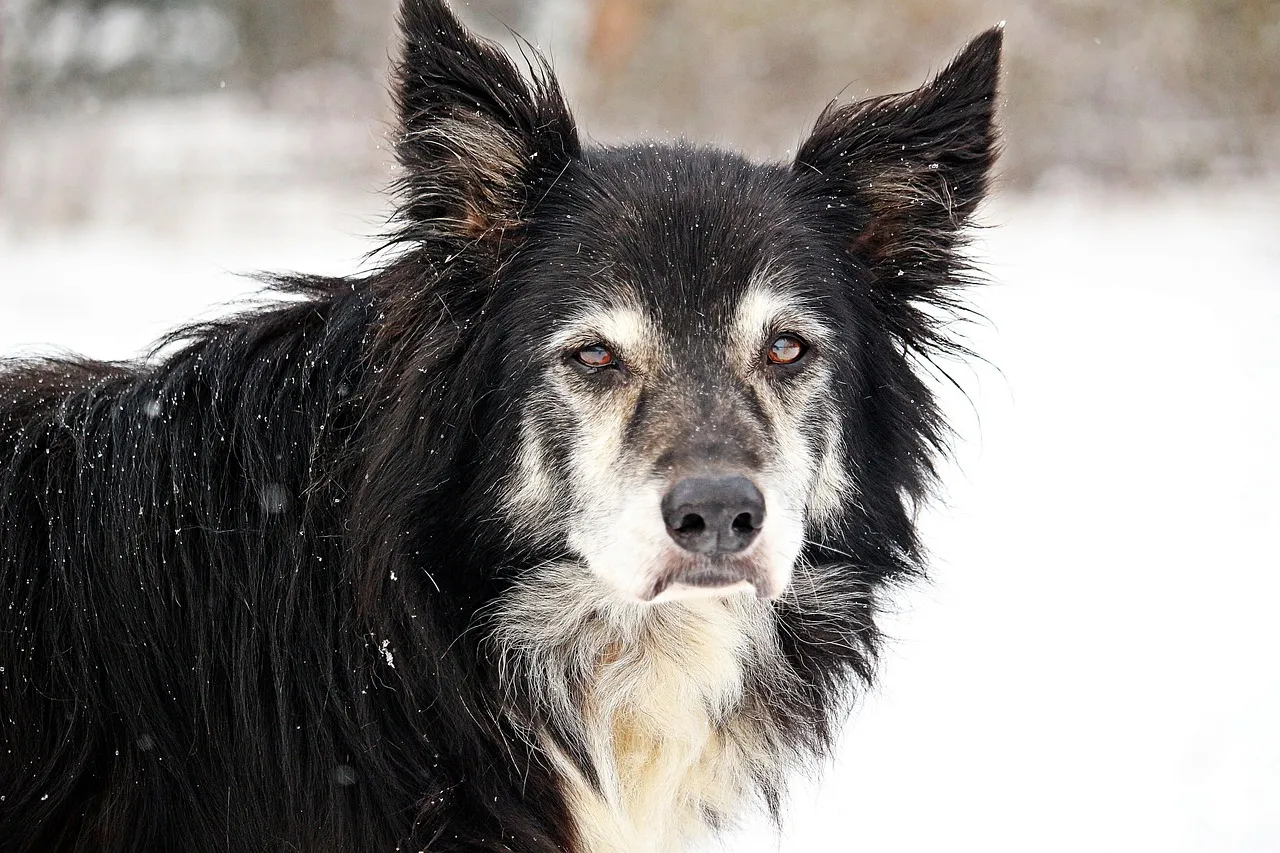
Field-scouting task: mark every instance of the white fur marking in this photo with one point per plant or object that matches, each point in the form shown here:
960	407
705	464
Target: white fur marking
660	687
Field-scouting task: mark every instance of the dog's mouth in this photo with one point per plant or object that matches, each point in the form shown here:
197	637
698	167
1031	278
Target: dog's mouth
715	520
719	554
704	578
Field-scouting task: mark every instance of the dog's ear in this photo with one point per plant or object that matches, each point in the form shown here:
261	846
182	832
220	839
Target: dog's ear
902	174
476	137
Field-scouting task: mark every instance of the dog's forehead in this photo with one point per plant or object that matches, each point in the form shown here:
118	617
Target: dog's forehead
686	239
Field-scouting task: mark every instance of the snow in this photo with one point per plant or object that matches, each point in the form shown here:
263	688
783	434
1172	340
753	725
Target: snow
110	290
1094	664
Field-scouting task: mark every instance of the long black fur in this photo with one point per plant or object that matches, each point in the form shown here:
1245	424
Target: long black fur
239	582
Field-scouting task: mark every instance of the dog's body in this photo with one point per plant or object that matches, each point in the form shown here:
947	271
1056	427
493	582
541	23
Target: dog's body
562	531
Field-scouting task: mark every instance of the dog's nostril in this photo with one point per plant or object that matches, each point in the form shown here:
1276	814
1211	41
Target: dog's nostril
692	523
713	515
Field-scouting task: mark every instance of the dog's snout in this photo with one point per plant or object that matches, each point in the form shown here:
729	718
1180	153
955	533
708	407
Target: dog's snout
713	515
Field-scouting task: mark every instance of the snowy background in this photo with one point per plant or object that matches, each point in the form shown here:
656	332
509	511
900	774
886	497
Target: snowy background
1094	665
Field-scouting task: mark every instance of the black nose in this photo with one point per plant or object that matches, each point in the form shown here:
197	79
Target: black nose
713	515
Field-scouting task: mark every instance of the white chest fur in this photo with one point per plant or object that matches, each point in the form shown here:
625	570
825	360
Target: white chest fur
657	693
663	725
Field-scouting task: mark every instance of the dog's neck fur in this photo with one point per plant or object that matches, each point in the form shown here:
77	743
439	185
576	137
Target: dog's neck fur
659	696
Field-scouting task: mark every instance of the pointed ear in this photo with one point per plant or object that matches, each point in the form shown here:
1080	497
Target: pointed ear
909	170
476	137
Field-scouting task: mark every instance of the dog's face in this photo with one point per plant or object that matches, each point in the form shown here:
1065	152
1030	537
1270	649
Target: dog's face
678	326
708	361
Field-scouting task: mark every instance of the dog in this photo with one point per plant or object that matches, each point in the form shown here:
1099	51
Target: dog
564	529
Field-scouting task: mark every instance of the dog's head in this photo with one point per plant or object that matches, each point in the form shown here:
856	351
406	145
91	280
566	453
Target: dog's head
692	363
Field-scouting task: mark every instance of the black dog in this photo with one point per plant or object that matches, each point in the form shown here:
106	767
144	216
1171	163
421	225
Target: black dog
564	530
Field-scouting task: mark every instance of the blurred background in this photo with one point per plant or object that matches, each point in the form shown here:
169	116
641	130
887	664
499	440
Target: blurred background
264	93
1094	666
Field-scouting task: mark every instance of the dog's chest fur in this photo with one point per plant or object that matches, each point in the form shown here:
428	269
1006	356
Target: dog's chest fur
663	720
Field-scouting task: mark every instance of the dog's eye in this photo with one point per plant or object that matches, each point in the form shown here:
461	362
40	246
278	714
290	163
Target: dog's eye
787	349
595	355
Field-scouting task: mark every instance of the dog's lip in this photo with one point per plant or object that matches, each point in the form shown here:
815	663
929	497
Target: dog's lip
711	579
680	591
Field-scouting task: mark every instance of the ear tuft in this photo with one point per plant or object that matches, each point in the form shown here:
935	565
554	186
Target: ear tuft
918	159
907	172
476	136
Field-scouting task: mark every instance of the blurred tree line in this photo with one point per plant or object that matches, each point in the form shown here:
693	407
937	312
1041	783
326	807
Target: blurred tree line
1138	91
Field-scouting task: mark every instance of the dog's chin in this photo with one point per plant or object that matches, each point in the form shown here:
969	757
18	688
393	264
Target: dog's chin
684	578
680	591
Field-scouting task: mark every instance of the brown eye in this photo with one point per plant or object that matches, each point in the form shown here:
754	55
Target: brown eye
787	349
596	355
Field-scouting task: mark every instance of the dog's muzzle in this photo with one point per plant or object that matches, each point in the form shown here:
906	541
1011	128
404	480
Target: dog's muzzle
714	519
